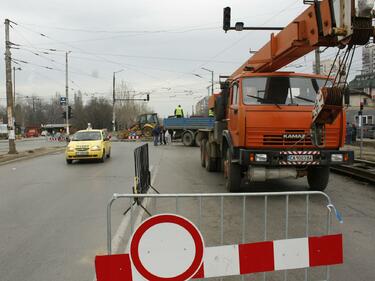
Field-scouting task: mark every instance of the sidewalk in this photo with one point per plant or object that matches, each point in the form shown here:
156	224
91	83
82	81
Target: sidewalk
23	154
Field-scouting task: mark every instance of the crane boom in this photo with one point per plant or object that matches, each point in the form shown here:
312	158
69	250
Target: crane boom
329	23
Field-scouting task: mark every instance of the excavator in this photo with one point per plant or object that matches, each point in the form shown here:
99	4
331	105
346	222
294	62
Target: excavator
142	127
272	124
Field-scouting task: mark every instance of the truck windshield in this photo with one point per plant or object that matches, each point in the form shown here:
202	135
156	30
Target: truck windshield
281	90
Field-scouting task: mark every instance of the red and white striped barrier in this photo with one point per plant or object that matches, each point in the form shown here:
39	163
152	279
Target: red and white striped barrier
56	139
169	247
133	137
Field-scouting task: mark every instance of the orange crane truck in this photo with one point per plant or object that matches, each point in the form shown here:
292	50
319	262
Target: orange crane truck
271	124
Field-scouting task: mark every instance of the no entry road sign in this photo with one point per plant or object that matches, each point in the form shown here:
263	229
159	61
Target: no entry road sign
169	247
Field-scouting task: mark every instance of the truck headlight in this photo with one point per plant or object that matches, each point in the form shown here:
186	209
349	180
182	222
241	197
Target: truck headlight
260	157
337	157
70	149
96	148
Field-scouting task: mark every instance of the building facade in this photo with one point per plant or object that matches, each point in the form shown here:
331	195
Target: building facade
368	59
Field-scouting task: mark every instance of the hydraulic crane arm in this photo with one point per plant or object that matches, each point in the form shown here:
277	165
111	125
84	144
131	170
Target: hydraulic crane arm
327	23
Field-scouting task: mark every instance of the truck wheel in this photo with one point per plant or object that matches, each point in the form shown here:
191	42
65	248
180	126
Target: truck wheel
210	161
232	172
203	153
69	161
188	139
197	139
318	177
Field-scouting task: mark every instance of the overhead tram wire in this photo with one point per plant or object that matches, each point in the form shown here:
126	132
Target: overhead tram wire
179	29
111	61
105	59
129	36
77	70
98	55
21	47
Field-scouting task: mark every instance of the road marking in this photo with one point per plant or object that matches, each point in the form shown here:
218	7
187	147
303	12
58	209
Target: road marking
125	223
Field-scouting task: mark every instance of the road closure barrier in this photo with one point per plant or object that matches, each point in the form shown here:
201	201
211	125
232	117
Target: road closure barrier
56	139
270	235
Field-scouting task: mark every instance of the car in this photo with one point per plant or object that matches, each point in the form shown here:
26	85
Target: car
88	144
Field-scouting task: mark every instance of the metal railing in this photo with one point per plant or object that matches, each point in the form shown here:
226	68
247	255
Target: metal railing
242	217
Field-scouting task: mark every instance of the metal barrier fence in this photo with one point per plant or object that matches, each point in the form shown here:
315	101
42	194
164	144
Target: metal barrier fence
142	181
227	218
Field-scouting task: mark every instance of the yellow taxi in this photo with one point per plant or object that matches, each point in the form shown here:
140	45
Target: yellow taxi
88	144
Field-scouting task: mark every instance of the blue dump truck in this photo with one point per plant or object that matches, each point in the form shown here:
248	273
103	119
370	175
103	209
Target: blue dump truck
186	129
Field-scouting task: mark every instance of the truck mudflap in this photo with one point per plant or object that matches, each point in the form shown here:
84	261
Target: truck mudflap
295	157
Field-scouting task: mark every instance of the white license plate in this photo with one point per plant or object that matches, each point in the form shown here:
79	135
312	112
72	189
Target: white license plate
82	153
304	158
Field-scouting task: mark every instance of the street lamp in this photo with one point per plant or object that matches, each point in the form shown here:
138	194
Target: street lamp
212	79
114	100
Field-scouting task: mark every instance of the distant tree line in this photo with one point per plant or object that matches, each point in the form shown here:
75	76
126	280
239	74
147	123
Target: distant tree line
33	111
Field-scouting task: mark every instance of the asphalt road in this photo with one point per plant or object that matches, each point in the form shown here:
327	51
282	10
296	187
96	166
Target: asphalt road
53	220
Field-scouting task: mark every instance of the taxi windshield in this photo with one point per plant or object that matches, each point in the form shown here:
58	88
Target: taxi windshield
86	136
281	90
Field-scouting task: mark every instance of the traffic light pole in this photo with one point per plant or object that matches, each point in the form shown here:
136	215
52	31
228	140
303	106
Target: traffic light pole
67	94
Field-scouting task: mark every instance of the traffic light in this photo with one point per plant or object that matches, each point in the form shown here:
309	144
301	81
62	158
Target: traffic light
148	97
226	19
361	106
70	114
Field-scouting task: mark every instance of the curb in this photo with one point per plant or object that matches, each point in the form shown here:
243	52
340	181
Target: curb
33	155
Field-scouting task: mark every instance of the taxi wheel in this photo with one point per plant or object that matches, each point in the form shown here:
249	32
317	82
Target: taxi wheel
103	157
69	161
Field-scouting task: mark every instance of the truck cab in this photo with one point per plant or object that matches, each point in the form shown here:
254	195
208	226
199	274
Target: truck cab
263	131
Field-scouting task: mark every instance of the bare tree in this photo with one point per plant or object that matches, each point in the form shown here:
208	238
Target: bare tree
127	111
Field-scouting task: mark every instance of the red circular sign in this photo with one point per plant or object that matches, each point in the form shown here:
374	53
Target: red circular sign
174	219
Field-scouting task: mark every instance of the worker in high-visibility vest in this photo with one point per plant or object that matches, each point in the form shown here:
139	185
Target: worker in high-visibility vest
211	113
179	112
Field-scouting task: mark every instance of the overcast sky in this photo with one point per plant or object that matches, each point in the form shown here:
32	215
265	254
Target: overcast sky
160	44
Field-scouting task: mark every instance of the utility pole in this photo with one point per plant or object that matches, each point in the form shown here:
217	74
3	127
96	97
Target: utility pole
67	93
212	79
114	100
317	61
10	105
